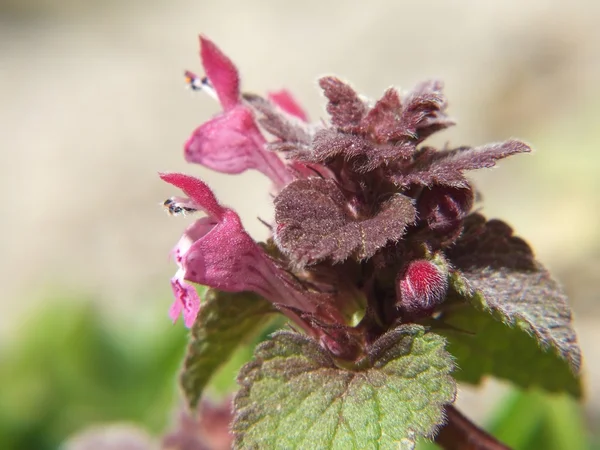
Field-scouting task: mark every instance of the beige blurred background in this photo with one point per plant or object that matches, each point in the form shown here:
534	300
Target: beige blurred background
93	105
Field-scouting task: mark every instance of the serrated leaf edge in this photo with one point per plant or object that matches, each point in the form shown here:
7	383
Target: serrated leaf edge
250	372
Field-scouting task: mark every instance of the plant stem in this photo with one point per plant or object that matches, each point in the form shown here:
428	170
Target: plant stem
460	433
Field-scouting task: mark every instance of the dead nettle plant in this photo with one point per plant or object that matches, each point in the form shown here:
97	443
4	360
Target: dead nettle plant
394	287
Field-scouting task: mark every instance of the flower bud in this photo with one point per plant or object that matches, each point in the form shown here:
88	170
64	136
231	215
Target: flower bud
442	206
421	286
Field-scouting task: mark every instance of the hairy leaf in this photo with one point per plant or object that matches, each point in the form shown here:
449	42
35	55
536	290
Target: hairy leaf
381	122
518	322
389	131
364	154
225	320
315	222
345	106
446	167
441	207
485	345
441	211
278	123
295	396
424	110
418	115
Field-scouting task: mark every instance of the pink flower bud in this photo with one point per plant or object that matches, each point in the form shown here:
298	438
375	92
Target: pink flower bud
421	286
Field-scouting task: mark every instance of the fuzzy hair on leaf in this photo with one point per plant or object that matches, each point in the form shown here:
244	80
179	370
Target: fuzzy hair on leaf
315	222
430	167
501	267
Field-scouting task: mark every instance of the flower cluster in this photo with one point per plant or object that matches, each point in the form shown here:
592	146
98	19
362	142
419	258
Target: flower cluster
366	216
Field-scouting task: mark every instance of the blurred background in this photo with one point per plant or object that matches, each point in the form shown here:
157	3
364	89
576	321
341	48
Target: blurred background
93	105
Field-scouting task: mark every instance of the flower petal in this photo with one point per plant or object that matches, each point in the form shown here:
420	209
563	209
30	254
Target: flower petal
186	297
197	191
194	232
286	101
186	301
227	258
232	143
221	72
216	251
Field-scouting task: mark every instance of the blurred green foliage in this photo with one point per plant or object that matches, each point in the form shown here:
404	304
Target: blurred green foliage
72	367
532	420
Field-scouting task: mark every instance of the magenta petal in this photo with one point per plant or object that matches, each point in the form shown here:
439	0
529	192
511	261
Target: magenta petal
216	251
197	191
194	232
286	101
227	258
186	301
221	72
186	297
232	143
228	143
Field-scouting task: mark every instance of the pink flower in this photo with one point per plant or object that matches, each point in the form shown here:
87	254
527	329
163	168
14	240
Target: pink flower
286	101
231	142
216	251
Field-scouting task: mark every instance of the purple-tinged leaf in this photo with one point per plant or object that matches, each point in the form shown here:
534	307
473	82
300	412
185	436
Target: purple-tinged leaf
499	275
315	222
446	167
490	244
375	137
485	346
382	122
281	125
441	207
364	155
345	107
419	114
424	111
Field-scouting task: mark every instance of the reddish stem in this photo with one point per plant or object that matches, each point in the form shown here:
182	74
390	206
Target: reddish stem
460	433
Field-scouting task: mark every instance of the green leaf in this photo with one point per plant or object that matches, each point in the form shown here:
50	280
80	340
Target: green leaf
483	344
223	382
294	395
224	322
510	318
